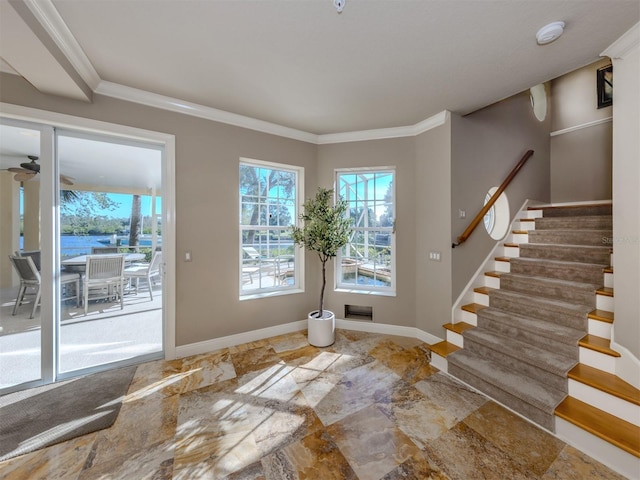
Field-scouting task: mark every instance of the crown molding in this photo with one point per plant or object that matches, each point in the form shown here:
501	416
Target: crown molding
46	13
382	133
150	99
625	44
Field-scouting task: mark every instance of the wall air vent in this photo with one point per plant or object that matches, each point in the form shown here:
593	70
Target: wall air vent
358	312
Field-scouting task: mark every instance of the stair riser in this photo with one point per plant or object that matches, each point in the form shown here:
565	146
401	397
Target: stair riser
598	360
536	311
578	237
455	338
578	223
600	329
576	273
573	211
604	302
439	362
598	255
535	415
573	295
531	338
627	411
555	381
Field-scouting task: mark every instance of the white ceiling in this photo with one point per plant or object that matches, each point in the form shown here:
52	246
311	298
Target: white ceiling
301	65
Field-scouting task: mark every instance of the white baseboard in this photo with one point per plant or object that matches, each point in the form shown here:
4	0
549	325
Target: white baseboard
254	335
238	339
627	365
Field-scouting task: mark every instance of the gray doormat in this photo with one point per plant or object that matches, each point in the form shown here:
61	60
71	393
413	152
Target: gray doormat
43	416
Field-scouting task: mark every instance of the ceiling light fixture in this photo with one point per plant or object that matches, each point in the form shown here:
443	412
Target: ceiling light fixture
339	4
549	33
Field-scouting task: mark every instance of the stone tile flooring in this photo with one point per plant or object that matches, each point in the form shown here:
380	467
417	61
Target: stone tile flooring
368	407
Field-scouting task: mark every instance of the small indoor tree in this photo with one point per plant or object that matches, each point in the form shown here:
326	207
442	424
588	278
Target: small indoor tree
325	231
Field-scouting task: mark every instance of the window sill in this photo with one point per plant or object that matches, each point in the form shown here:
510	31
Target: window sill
389	293
277	293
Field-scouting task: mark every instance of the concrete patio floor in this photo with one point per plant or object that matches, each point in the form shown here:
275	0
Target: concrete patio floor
106	334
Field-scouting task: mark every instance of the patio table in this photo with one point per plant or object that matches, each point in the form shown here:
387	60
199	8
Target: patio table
78	264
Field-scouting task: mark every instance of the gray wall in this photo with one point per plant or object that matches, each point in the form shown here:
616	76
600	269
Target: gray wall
398	153
580	159
486	146
207	155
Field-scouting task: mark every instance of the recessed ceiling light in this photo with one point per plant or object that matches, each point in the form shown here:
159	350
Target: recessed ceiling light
549	33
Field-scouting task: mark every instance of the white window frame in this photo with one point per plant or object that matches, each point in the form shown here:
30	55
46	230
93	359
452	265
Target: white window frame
341	286
266	263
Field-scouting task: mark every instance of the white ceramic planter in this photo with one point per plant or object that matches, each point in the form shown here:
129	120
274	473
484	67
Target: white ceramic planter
321	331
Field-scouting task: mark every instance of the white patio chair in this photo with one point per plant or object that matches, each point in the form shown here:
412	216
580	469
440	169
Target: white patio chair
30	278
145	270
104	278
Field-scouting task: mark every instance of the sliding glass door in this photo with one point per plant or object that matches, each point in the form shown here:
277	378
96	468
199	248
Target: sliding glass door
68	200
110	196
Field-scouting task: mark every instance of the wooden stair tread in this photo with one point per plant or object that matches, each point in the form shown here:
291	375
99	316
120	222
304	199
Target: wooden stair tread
601	315
444	348
608	427
473	307
520	232
483	290
494	274
502	259
458	327
527	220
512	245
606	291
598	344
608	270
605	382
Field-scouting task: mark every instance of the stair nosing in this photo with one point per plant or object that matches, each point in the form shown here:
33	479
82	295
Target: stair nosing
611	434
605	382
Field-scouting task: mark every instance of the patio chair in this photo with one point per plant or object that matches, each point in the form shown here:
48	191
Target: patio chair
34	254
145	270
103	250
104	278
30	278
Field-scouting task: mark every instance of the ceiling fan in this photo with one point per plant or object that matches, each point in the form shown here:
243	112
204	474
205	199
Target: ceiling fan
28	170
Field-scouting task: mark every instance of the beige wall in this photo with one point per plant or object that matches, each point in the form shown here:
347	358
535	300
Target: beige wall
487	144
580	159
398	153
433	227
9	227
626	201
207	156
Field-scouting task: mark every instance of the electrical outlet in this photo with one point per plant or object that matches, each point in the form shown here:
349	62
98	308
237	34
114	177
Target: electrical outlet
462	213
187	256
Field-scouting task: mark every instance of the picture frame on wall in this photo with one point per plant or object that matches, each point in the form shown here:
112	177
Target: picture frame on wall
604	83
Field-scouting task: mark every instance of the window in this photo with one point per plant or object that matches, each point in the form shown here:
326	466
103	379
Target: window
367	262
269	205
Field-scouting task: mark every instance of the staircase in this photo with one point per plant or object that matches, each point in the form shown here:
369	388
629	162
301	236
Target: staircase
536	335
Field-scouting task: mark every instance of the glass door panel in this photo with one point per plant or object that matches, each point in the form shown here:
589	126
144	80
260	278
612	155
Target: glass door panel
20	236
110	196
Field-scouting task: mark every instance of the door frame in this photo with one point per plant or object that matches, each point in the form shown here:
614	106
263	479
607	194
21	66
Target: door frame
47	121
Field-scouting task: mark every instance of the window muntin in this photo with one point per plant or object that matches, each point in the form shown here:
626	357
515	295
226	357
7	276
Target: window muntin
367	262
269	205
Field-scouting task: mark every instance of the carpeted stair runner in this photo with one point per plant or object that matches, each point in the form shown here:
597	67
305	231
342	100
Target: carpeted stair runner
526	341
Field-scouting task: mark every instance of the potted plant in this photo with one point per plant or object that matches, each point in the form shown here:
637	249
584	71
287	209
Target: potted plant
325	231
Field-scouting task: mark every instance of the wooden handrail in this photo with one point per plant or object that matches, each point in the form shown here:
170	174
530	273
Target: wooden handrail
474	223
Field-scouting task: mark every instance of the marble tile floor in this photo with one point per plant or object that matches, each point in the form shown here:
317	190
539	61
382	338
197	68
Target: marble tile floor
368	407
